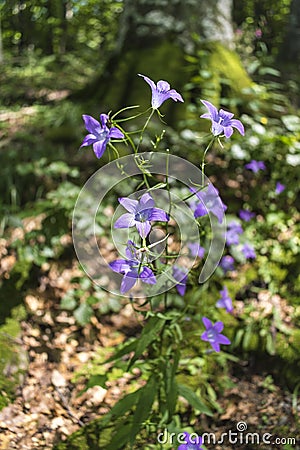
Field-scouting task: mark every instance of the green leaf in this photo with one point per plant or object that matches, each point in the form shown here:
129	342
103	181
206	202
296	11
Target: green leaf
83	314
120	438
96	380
125	404
148	335
171	388
193	399
143	408
127	348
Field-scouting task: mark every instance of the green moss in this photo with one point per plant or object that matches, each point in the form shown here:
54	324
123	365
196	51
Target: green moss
226	69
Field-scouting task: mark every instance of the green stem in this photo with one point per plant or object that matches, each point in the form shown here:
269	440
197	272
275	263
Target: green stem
203	158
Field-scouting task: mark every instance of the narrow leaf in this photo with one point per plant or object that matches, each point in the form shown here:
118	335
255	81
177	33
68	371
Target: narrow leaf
143	408
148	335
127	348
193	399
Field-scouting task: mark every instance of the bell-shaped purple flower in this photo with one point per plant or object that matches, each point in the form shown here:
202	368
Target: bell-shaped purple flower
227	263
196	249
246	215
209	201
248	251
255	166
140	214
222	122
161	92
132	269
213	334
192	442
279	188
233	231
180	275
225	301
99	133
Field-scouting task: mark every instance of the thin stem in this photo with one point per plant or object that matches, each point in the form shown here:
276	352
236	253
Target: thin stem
144	128
169	213
203	158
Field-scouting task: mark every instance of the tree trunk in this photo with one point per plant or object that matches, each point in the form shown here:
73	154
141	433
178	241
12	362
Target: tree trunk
1	45
155	37
290	51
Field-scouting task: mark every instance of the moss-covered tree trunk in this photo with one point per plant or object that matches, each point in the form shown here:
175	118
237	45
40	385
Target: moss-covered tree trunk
165	40
290	51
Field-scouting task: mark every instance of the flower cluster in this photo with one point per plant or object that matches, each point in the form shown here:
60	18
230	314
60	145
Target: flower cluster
141	213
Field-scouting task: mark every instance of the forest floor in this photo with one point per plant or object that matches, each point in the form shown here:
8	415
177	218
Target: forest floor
49	405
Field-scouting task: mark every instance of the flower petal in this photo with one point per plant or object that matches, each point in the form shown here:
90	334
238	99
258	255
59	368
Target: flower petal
200	211
211	108
115	133
181	288
127	283
218	211
215	346
146	202
143	228
225	114
159	215
207	323
89	140
147	276
149	81
125	221
223	339
120	266
99	147
238	125
174	95
103	120
91	124
128	204
163	86
228	131
218	326
216	128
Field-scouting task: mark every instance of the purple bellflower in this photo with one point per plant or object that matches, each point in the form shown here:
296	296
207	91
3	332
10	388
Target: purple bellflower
161	92
279	188
213	334
225	301
180	275
196	249
209	201
99	133
255	166
222	121
233	231
140	214
192	442
132	269
227	263
246	215
248	251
